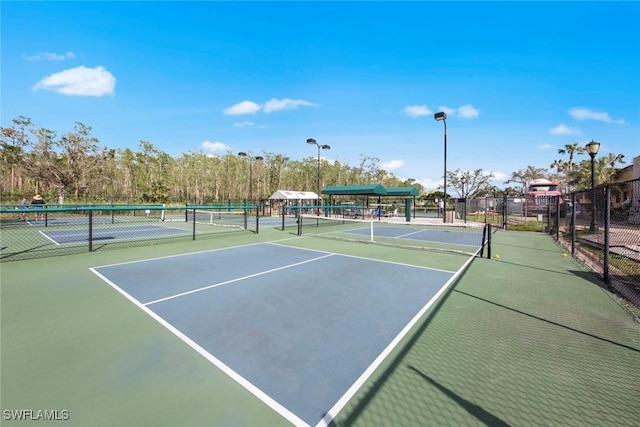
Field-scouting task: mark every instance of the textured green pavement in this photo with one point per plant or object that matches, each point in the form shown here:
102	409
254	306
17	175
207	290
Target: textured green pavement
530	338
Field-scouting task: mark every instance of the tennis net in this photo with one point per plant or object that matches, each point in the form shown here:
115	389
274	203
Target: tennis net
219	218
470	238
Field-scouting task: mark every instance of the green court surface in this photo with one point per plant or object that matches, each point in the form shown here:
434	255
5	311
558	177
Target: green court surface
529	338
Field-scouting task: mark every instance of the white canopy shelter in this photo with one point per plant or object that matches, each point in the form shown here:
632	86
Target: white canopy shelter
293	195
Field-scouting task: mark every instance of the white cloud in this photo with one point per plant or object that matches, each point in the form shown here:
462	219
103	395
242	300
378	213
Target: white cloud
214	146
243	124
500	176
50	56
275	104
417	110
80	81
545	146
447	110
580	113
562	129
244	107
468	112
392	165
429	184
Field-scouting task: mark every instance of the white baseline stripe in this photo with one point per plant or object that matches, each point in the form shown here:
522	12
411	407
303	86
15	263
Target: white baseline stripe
49	238
178	255
409	234
291	417
362	257
341	403
234	280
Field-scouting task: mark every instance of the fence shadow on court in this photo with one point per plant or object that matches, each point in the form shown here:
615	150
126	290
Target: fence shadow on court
351	414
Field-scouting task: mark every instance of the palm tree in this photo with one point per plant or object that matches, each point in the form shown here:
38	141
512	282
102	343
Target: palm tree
571	149
524	176
612	159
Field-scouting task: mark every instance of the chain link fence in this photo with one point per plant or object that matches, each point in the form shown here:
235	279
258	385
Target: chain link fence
51	230
602	229
599	227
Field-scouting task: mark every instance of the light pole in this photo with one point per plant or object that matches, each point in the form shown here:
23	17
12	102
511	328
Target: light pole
323	147
592	149
251	159
442	116
464	182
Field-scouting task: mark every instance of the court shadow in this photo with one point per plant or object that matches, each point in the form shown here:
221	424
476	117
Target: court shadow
535	267
354	413
550	322
35	249
476	411
529	248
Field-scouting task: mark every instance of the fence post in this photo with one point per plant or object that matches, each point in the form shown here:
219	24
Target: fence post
90	230
607	233
557	218
573	224
505	201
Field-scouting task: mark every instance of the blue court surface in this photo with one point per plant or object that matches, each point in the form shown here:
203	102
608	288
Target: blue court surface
70	236
301	329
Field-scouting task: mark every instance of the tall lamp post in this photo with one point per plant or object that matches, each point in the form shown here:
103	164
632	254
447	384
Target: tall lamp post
442	116
251	159
323	147
592	149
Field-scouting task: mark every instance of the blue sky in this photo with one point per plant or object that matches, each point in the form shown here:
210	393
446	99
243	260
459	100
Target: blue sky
518	80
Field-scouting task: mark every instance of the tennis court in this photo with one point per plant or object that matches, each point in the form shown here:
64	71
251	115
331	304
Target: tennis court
65	230
69	236
277	329
266	312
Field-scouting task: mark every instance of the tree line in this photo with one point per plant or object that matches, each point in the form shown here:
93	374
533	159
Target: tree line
76	168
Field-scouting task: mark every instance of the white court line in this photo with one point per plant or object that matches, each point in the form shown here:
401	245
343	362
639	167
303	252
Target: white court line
364	258
290	416
193	291
409	234
49	238
342	402
178	255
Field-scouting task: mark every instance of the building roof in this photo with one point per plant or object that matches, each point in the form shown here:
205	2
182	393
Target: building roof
402	191
370	190
356	190
293	195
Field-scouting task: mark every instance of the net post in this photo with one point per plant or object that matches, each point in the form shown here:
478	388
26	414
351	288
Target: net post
244	216
283	215
489	240
299	222
194	222
484	237
371	231
257	222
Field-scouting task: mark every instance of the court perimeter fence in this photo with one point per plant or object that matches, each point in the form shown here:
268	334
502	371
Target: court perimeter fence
51	230
602	229
599	227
